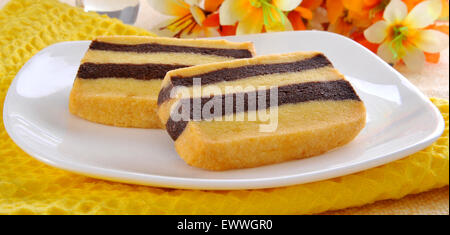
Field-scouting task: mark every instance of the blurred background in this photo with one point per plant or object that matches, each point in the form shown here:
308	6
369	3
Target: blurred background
432	79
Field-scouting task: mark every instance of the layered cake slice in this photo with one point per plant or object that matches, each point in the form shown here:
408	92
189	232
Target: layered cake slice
253	112
120	76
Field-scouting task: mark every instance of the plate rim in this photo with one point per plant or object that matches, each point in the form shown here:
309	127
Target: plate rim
154	180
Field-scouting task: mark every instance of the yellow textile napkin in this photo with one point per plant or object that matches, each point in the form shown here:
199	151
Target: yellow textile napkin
30	187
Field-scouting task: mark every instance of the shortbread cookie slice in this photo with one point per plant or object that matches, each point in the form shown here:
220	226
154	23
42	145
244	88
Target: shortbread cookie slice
120	76
316	110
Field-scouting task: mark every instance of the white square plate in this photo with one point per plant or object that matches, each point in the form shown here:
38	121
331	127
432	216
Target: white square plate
401	121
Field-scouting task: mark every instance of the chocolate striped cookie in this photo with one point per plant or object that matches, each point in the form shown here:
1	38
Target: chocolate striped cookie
120	76
253	112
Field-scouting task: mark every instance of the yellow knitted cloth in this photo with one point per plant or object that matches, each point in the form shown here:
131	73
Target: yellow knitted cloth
30	187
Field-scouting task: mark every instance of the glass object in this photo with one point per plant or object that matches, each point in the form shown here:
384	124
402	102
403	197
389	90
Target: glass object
125	10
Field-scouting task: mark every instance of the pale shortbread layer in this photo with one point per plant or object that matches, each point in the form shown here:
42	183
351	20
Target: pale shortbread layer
292	118
304	130
126	87
114	57
117	102
133	40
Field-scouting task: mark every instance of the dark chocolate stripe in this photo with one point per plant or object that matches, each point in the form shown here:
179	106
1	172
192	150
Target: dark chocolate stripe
175	128
164	94
232	74
155	47
290	94
136	71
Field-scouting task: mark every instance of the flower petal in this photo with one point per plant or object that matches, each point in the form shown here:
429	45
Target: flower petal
371	3
227	30
193	2
414	59
296	20
251	24
212	5
311	4
305	12
278	22
424	14
198	14
432	57
335	10
226	15
212	20
232	11
170	7
395	11
386	54
444	12
377	32
353	5
199	31
286	5
432	41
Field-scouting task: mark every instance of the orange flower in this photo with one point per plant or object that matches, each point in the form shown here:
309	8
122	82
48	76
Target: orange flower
212	5
303	13
345	15
335	10
444	13
361	39
187	20
213	20
256	16
407	37
434	57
